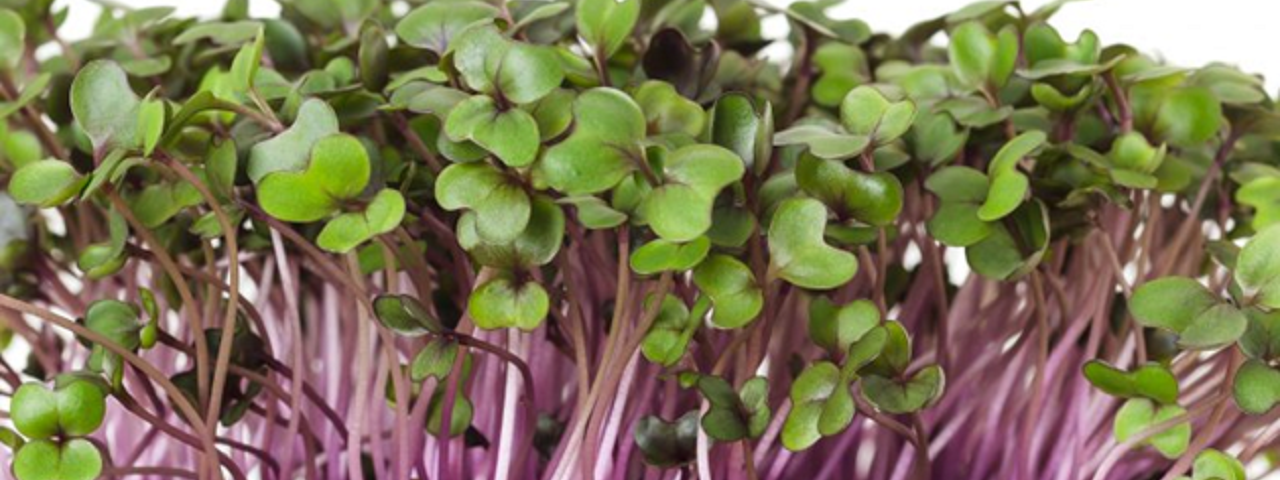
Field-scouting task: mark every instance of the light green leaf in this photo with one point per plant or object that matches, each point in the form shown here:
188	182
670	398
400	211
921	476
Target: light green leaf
837	327
680	209
1139	413
821	405
104	105
46	183
501	206
432	26
662	255
737	297
799	253
606	24
290	150
604	145
1258	267
1256	387
504	302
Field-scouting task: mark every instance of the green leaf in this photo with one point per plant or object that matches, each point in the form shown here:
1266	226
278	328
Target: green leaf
1008	189
1216	327
372	57
866	111
151	118
1170	303
594	213
821	405
244	68
733	289
511	135
332	14
35	411
1015	246
972	52
680	209
75	459
222	33
505	301
1212	464
1257	268
13	34
874	198
911	395
519	72
1152	380
404	315
459	416
536	245
1189	117
432	26
46	183
104	105
1261	340
667	340
1256	387
604	145
349	230
435	360
290	150
1139	413
799	253
501	206
606	24
339	170
837	327
73	409
823	142
668	444
736	123
666	111
662	255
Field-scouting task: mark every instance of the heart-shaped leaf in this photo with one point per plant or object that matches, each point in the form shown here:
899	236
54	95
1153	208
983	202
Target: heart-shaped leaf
799	253
519	72
291	150
667	112
668	444
1014	247
737	297
505	301
821	405
435	360
75	459
734	416
905	396
511	135
981	59
680	209
499	202
604	145
1008	185
1186	307
338	171
105	106
961	190
837	327
865	111
666	342
536	245
606	24
663	255
433	25
1152	380
73	409
1258	268
1256	387
1212	464
1140	413
347	231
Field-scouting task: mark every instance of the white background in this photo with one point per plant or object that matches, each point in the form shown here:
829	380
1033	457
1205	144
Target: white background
1187	33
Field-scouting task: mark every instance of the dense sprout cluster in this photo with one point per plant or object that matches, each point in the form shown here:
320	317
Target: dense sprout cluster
615	239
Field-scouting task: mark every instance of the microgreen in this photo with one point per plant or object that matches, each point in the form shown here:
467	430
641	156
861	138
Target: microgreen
627	238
